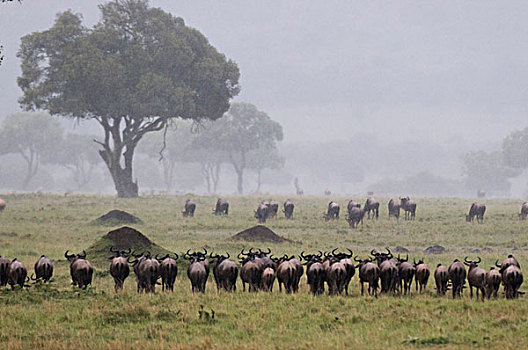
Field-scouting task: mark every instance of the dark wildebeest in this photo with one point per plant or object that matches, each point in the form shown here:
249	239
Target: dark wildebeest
315	272
225	272
510	260
286	274
406	273
268	278
409	207
394	208
372	205
273	209
168	271
524	211
457	276
346	260
493	281
119	268
190	207
512	279
43	269
17	274
355	216
352	203
389	275
262	212
288	209
4	267
2	205
477	210
368	273
476	277
281	275
441	276
333	211
336	277
139	259
196	272
421	275
222	207
251	271
148	274
81	270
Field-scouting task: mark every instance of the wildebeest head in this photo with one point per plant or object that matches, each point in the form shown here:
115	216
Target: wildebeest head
72	257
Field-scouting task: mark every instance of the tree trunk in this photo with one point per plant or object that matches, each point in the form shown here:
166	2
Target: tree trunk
216	176
240	180
259	180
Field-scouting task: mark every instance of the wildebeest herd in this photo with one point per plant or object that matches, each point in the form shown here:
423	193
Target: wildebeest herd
259	269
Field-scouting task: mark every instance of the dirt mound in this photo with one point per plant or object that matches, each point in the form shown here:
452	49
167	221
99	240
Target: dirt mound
435	249
259	233
122	239
117	217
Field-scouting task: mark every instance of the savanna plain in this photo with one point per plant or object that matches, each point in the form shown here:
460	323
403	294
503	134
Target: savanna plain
60	316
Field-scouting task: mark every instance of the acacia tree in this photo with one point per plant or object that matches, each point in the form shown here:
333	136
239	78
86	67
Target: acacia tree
133	72
34	136
243	129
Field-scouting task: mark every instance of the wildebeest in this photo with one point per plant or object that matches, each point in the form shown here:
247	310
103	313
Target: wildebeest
4	267
477	210
262	212
16	274
493	281
190	207
315	272
394	207
225	272
251	271
406	274
148	273
512	279
372	205
352	203
196	272
222	207
476	277
524	211
510	260
43	269
409	207
421	275
288	209
457	276
286	274
81	270
333	211
336	276
441	277
2	205
346	260
389	275
168	271
139	259
268	277
368	273
119	268
355	216
273	209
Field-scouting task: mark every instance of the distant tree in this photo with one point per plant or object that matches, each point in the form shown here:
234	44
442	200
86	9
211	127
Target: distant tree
78	154
487	172
515	149
133	72
35	136
242	130
264	158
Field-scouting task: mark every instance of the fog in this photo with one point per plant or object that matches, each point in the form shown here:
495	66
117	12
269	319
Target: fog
368	93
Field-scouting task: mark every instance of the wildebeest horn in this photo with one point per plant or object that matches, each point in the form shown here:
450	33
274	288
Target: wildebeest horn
239	256
406	257
373	252
32	278
356	259
333	251
479	260
228	255
251	251
497	263
187	254
112	250
205	251
268	252
414	261
389	252
320	254
83	256
246	254
351	253
131	262
302	255
66	254
468	261
176	256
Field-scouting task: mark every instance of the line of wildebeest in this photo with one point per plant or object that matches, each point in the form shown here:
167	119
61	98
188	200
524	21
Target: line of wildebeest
259	269
355	214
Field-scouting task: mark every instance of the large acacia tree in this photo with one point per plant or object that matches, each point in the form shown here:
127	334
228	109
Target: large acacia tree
133	72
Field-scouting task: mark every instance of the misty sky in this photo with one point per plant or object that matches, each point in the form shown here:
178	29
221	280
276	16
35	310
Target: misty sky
428	70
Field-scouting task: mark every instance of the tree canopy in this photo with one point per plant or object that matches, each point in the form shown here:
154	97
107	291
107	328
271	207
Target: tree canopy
133	72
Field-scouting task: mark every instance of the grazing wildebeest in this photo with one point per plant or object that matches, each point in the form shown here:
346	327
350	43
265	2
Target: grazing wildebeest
512	279
225	272
262	212
119	268
222	207
476	277
409	207
2	205
421	275
81	270
493	281
43	269
333	211
368	273
4	267
524	211
406	273
196	272
457	276
168	271
394	208
315	272
17	274
372	205
288	209
268	277
273	209
477	210
355	216
190	207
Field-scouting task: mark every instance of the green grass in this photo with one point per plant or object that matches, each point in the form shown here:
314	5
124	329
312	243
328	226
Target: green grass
59	316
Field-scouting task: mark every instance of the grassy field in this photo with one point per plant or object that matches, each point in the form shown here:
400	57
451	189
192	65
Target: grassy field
59	316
